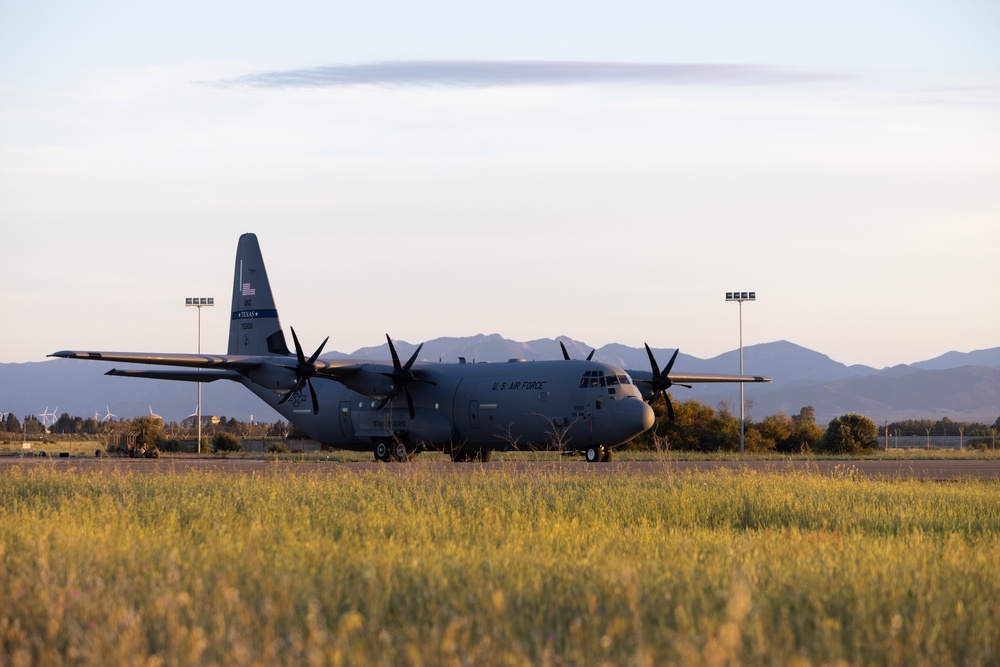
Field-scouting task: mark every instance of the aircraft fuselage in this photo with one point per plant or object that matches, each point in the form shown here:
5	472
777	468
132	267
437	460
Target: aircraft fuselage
567	405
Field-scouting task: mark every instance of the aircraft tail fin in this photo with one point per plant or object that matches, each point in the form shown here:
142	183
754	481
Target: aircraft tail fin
254	328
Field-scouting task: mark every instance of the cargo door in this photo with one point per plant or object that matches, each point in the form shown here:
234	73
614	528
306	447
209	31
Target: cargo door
345	422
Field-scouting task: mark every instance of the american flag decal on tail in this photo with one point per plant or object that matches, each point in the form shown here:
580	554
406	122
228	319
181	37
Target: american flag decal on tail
248	289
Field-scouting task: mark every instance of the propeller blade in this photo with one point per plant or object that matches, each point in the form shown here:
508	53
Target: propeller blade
298	347
295	388
312	392
409	364
670	364
392	350
652	361
409	403
566	356
318	351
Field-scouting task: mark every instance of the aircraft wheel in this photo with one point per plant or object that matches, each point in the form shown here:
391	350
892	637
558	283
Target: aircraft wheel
401	453
595	454
607	455
469	454
382	451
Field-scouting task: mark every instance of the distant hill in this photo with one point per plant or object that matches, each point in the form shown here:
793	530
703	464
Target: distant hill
960	386
968	393
947	360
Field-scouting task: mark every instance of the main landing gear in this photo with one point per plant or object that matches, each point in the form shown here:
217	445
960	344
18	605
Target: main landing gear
466	454
598	454
392	450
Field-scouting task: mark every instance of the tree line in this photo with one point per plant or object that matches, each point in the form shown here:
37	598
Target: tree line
943	427
67	425
699	427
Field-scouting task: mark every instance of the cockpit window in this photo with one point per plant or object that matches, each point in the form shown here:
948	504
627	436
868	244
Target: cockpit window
592	379
625	379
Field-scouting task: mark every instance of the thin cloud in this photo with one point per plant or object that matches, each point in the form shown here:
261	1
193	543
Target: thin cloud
483	74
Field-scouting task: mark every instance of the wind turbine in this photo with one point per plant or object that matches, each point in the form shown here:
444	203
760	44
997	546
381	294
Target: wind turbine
153	414
47	416
108	415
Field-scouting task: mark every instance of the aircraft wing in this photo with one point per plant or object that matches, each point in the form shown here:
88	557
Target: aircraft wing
678	378
691	378
651	384
217	366
225	361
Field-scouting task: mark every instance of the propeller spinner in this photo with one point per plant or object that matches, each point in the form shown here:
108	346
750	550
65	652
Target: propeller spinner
401	376
305	370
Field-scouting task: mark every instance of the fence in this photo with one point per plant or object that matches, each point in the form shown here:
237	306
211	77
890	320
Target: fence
935	441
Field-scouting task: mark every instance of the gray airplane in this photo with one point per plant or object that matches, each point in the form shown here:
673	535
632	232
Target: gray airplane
397	409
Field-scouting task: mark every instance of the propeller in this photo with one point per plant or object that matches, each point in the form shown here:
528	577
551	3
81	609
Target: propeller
401	376
661	381
305	370
566	354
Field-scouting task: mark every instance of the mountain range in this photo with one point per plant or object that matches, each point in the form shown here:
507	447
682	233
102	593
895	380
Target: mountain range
960	386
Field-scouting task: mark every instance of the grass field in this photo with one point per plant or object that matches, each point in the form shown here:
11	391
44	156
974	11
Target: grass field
492	567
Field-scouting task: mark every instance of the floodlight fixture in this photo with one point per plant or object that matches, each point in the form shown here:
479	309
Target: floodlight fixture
199	302
740	297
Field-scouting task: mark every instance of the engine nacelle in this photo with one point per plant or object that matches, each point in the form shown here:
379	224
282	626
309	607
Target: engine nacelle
370	381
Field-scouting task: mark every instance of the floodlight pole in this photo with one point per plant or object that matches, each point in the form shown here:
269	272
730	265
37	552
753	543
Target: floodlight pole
740	297
199	302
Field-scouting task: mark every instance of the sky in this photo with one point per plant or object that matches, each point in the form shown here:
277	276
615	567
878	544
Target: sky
603	171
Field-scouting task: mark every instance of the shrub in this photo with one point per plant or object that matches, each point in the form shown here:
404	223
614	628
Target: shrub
850	434
277	448
171	445
225	442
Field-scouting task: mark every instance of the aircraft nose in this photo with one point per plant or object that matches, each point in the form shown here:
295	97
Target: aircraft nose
636	415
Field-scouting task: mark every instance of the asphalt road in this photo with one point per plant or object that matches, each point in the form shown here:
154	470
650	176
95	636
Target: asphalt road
936	470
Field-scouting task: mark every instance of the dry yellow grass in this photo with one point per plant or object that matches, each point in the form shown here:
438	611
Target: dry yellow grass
496	568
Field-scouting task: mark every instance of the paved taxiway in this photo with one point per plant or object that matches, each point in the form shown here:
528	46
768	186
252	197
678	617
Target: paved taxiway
937	470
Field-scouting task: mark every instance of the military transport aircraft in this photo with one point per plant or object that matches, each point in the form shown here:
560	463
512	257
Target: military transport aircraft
397	409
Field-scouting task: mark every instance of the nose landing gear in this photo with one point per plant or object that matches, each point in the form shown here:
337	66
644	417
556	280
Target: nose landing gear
598	454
